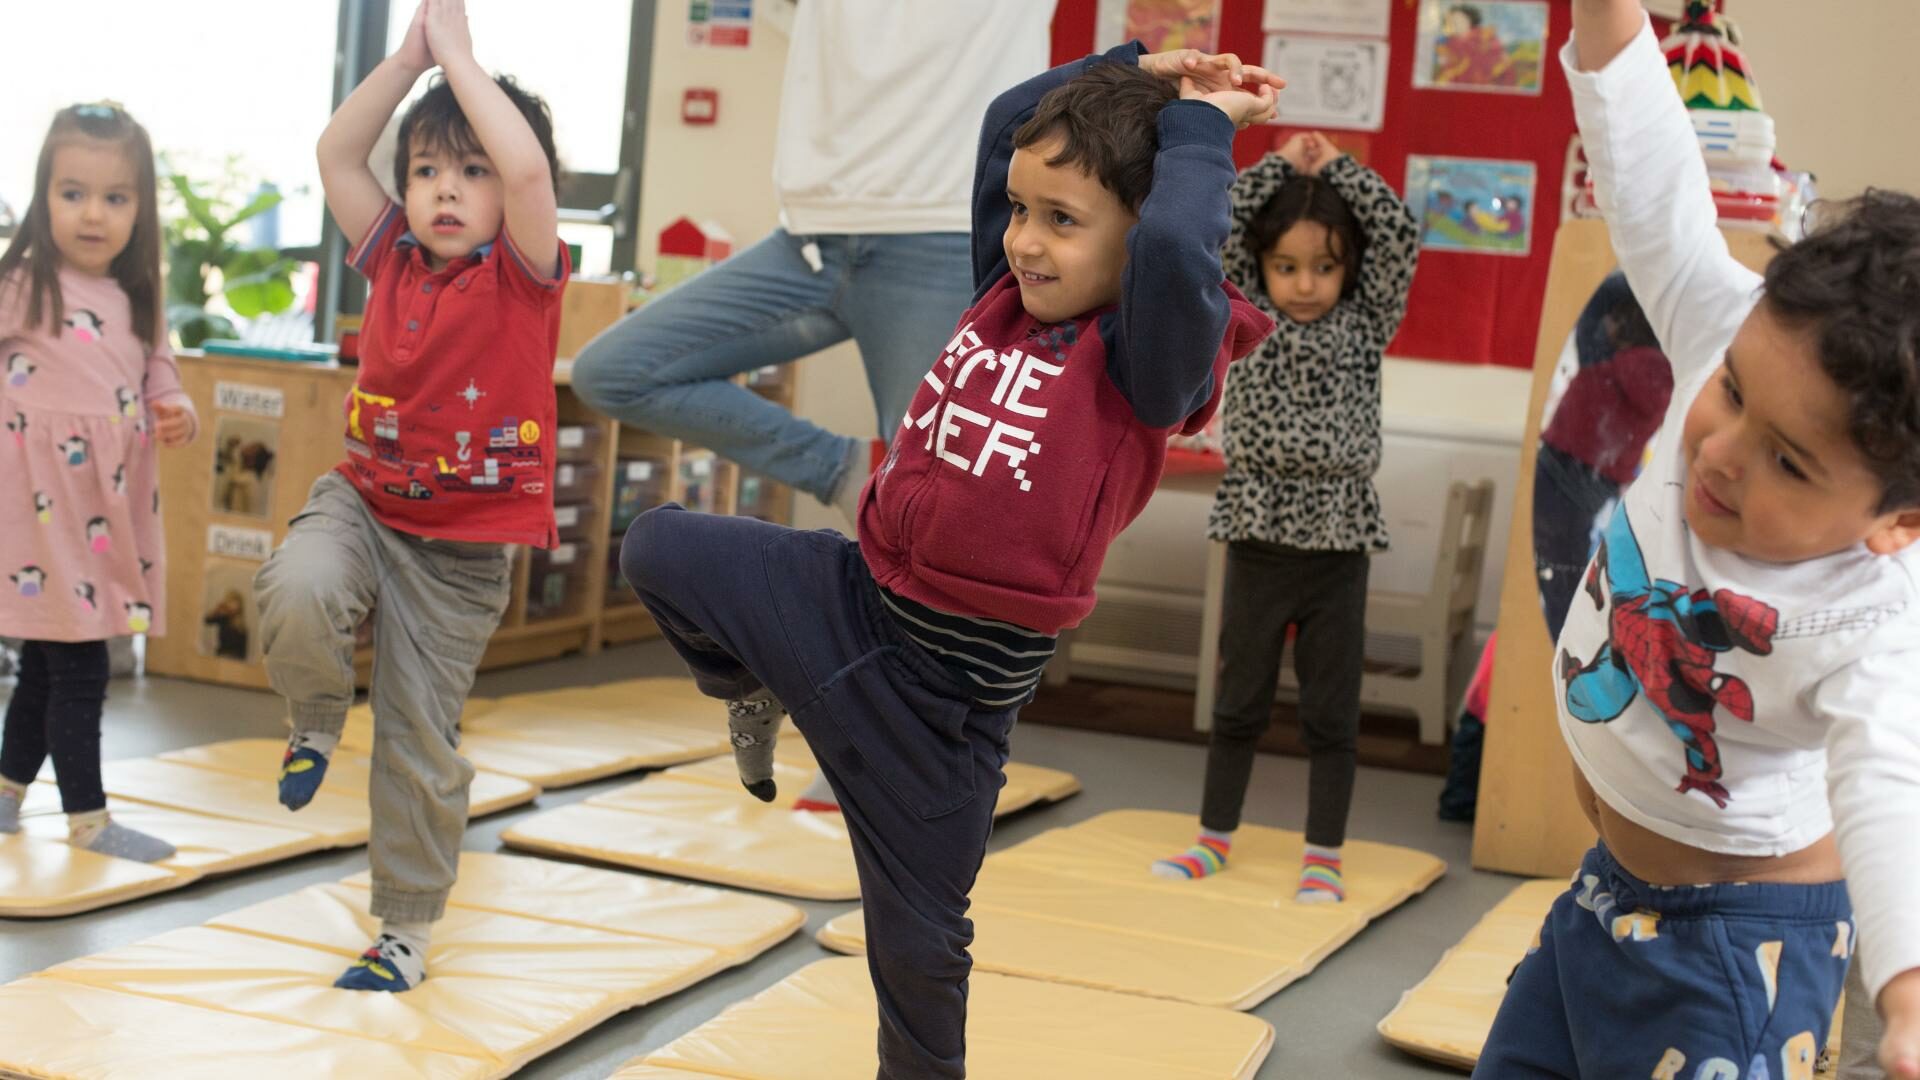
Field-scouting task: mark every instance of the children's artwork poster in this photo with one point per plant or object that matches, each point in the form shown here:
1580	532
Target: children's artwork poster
227	613
244	450
1159	24
1488	46
1352	18
720	24
1331	82
1471	204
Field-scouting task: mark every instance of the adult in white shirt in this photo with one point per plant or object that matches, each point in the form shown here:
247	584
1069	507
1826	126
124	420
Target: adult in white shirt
874	170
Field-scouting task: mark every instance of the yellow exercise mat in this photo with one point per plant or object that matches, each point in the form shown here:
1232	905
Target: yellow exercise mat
1447	1017
217	804
818	1024
558	738
521	963
1079	905
696	821
41	876
348	772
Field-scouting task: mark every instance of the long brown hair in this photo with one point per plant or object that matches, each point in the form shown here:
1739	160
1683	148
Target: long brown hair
33	261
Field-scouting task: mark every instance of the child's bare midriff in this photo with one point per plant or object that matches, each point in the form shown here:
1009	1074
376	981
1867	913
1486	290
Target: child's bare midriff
1659	861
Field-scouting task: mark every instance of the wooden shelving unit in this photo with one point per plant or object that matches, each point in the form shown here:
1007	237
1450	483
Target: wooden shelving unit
589	613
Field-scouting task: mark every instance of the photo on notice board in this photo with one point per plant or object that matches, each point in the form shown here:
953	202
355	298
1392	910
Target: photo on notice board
1159	24
244	450
1472	205
227	613
1489	46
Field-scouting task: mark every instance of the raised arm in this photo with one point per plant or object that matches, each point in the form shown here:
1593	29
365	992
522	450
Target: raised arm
532	208
1005	116
1873	784
1651	183
1601	28
354	196
1393	241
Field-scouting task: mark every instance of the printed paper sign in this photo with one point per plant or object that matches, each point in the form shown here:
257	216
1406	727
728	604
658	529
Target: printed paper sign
239	543
253	400
1331	82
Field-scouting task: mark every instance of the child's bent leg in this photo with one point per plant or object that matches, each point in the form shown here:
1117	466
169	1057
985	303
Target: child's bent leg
312	595
1328	655
438	608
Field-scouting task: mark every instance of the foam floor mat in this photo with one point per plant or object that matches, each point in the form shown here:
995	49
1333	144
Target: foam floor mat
558	738
530	955
1078	905
695	821
1447	1017
818	1024
217	804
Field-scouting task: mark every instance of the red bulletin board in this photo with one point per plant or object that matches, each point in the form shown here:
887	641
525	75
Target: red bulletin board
1466	308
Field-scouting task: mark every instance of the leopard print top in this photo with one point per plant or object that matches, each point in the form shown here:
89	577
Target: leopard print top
1301	416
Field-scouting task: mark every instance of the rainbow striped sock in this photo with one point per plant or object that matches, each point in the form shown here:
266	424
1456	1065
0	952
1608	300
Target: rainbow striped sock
1207	856
1320	880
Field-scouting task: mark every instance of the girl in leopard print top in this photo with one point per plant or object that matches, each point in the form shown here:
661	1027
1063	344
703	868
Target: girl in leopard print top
1321	243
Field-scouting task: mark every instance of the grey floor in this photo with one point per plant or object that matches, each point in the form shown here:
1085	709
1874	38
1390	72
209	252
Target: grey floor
1324	1023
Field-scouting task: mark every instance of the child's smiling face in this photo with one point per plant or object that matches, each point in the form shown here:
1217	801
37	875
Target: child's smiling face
1773	472
1066	241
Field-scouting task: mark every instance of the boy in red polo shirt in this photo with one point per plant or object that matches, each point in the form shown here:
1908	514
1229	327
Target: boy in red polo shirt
1101	325
449	458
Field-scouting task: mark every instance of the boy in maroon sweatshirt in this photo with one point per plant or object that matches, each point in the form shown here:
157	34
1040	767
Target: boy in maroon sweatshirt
1102	325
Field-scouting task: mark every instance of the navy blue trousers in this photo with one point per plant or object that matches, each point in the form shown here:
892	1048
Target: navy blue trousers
1704	982
916	766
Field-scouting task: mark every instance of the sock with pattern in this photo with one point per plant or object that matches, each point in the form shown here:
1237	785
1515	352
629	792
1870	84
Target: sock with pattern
304	766
1320	880
753	725
97	832
396	961
1207	856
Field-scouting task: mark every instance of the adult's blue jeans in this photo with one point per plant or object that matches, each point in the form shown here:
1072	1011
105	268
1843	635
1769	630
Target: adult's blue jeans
666	367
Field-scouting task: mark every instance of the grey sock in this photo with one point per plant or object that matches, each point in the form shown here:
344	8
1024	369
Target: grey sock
123	843
753	724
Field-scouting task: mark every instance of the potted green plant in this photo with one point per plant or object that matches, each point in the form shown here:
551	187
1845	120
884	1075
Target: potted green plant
201	244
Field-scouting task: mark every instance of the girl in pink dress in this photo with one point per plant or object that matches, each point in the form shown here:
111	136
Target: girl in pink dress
87	386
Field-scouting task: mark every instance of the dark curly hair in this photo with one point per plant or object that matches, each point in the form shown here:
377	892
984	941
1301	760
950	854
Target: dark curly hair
1853	286
1309	198
434	122
1108	123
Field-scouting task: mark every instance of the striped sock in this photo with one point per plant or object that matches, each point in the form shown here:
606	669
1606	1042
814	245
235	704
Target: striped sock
1320	880
818	798
1207	856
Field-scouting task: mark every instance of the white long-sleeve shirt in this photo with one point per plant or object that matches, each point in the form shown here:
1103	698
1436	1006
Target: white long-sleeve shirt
1730	704
880	110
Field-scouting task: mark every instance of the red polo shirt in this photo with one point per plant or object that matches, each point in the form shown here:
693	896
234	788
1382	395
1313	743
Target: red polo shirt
450	423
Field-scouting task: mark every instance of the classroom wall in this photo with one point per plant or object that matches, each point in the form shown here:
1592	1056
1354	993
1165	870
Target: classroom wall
1825	80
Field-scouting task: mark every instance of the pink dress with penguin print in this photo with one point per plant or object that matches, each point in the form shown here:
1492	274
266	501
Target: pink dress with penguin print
81	548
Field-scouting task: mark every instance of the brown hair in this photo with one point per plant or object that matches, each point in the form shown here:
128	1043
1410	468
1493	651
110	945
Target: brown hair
1310	198
435	122
32	262
1108	123
1852	286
